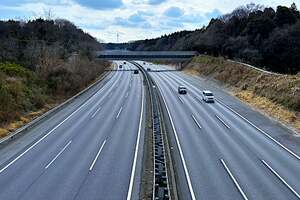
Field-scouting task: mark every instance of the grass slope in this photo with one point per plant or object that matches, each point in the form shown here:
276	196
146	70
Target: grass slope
276	95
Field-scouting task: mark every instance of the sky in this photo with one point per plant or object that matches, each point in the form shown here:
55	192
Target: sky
128	20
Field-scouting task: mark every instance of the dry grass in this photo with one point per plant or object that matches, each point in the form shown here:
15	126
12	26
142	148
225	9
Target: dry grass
277	111
13	126
3	132
277	95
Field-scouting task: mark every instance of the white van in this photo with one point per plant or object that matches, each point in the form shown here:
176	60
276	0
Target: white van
208	96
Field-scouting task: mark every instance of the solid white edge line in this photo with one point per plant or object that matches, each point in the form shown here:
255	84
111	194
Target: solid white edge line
221	120
234	180
119	112
196	122
42	138
260	130
96	158
180	151
96	111
61	151
136	150
281	179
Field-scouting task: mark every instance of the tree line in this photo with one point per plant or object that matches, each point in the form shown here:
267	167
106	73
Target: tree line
43	62
255	34
28	42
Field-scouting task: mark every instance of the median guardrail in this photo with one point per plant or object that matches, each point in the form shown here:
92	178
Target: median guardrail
161	189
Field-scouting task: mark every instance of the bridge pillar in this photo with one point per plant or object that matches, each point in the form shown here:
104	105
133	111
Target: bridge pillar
179	67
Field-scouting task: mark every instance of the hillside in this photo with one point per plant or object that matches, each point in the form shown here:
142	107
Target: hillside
42	62
264	37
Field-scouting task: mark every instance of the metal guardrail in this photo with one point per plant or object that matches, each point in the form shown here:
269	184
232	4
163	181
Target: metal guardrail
161	186
161	190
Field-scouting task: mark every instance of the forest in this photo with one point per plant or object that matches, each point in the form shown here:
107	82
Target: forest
42	62
29	42
262	36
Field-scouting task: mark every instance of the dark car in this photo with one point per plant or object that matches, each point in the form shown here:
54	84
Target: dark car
120	66
136	71
182	90
148	69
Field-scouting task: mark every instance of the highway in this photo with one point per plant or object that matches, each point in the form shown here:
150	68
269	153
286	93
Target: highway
219	154
92	149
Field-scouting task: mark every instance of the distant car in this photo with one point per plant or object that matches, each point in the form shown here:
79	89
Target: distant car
208	96
120	66
148	69
124	63
182	90
136	71
144	63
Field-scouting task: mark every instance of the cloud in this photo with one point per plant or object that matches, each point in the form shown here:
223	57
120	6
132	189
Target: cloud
213	14
149	2
136	18
174	12
156	2
101	4
12	2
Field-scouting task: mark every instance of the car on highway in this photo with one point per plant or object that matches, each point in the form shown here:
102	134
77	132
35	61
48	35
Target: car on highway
148	69
136	71
120	66
182	90
208	96
124	63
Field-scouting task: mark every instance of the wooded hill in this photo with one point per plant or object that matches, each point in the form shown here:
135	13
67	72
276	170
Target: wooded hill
42	62
28	42
261	36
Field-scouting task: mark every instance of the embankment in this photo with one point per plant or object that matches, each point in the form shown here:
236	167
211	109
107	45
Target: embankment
274	94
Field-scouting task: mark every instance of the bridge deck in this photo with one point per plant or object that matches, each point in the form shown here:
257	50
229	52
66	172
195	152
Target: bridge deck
118	54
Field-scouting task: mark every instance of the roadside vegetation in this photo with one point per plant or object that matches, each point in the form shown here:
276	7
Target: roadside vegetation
42	62
254	34
275	94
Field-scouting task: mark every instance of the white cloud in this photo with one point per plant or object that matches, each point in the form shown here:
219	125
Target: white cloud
132	19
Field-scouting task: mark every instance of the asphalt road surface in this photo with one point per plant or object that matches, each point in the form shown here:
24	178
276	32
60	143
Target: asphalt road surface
92	152
222	156
93	147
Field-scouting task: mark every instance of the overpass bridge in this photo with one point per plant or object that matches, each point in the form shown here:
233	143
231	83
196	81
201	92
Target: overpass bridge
179	56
